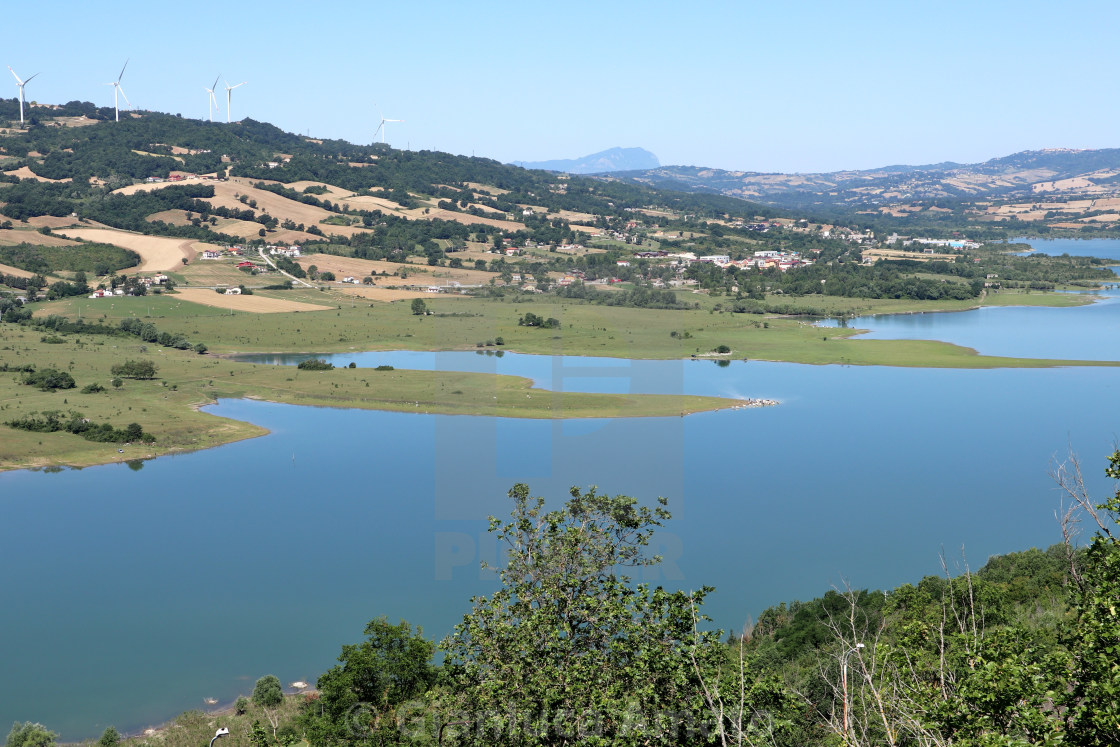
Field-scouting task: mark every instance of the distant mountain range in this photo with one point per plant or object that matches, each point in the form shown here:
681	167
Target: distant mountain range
603	162
1043	173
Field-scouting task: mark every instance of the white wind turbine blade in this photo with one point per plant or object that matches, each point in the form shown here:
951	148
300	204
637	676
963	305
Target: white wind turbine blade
18	81
29	79
125	97
379	128
212	88
122	72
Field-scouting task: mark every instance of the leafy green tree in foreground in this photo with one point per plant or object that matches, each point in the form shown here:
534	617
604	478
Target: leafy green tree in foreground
29	734
360	699
570	652
1094	699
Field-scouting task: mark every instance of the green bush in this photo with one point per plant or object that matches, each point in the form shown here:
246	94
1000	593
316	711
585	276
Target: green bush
131	369
49	379
315	364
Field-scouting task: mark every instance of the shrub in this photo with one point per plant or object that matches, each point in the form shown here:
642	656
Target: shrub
49	379
131	369
93	388
315	364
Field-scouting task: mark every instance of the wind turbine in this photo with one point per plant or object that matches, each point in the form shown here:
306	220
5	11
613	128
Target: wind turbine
116	84
229	89
213	101
21	84
381	127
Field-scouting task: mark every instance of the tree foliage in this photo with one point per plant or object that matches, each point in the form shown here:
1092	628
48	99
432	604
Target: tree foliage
268	691
569	650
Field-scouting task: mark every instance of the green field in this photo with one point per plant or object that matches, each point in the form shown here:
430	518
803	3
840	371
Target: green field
167	406
461	324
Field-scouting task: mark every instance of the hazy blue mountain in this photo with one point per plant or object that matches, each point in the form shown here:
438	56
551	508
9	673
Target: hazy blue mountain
603	162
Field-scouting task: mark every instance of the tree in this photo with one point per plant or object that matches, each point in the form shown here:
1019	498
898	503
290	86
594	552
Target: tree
419	308
390	668
1094	698
569	652
29	734
109	738
268	691
131	369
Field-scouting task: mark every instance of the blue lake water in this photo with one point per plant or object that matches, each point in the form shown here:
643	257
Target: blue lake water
130	595
1103	248
1090	332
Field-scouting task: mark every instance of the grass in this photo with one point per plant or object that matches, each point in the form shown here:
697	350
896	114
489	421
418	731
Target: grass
195	728
459	324
167	406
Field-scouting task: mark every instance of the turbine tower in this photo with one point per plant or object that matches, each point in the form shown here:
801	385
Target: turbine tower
381	128
116	84
21	84
213	101
229	90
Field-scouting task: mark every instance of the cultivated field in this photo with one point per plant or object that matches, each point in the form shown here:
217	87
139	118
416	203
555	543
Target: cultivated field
9	270
222	272
23	172
13	236
417	274
255	304
373	293
157	253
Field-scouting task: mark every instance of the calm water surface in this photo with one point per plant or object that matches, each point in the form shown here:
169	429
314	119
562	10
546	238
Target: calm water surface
131	595
1090	332
1103	248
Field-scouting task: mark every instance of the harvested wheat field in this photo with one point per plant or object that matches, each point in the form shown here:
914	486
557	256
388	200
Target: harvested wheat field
332	193
373	293
9	270
255	304
13	236
145	187
226	194
157	254
23	172
51	221
370	202
170	217
417	274
464	218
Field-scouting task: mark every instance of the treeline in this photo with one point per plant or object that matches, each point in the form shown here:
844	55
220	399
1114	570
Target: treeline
53	421
146	331
642	298
845	279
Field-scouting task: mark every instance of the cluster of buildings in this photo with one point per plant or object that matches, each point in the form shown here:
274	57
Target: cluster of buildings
147	282
958	244
762	260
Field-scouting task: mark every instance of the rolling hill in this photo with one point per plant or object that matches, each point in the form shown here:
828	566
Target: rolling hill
1042	174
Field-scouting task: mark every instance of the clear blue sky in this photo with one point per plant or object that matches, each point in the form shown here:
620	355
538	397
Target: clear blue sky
793	86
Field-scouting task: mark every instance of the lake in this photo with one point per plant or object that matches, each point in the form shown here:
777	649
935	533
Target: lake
132	594
1090	332
1103	248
